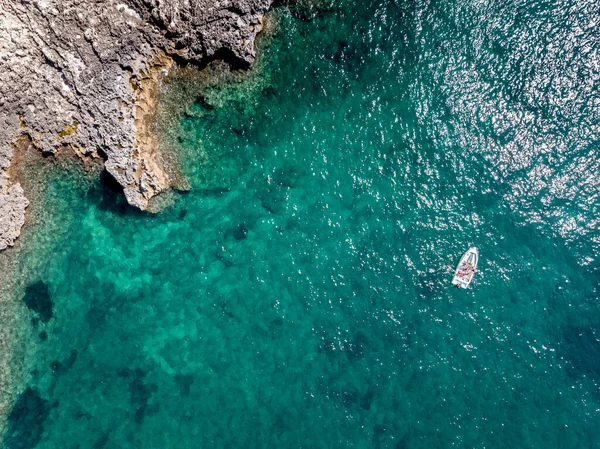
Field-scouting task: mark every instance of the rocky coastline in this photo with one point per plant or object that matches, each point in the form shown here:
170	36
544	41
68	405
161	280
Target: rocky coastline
82	76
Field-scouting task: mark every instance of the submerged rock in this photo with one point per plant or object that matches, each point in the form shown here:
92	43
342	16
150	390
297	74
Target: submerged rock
26	421
184	381
241	232
140	395
83	76
38	299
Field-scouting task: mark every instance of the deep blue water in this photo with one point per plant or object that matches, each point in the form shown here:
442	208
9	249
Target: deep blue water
299	295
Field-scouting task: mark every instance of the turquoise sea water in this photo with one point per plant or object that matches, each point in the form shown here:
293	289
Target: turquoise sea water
299	295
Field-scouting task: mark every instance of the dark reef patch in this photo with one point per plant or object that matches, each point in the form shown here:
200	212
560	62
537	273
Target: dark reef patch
59	367
101	442
37	298
184	381
240	232
95	316
581	347
272	195
367	399
287	176
356	347
26	421
140	394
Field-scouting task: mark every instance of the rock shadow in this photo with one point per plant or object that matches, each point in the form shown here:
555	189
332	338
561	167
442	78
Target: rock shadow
109	196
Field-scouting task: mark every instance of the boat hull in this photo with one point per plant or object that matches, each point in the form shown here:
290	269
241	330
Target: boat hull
466	268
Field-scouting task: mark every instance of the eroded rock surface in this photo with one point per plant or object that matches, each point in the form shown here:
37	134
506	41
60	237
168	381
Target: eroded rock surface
82	75
12	214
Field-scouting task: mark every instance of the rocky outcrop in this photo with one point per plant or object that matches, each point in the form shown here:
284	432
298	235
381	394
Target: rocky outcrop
82	75
12	214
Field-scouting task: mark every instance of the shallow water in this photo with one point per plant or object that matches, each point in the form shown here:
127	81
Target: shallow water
299	295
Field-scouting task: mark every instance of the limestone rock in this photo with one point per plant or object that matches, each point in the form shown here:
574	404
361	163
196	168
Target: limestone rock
83	74
12	214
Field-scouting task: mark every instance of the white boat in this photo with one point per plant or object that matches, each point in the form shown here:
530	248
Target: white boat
466	268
